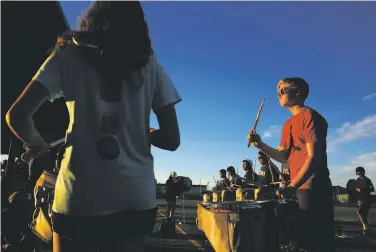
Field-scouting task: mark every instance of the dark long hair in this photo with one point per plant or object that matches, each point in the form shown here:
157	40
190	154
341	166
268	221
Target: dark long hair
120	31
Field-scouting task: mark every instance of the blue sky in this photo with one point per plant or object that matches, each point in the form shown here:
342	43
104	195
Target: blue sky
224	57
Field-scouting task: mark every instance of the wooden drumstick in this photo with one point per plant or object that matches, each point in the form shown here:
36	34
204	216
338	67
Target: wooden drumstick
27	156
257	119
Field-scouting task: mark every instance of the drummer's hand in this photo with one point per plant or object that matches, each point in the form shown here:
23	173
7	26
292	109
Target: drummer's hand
254	138
357	189
284	184
152	130
288	192
26	147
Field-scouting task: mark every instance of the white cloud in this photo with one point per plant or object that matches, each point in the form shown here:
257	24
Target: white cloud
272	131
368	97
367	160
365	128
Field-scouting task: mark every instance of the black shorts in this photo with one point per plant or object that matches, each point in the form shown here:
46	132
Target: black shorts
313	225
104	229
363	207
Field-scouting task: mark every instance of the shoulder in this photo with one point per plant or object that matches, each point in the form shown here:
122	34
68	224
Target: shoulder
153	64
311	118
287	124
57	58
311	114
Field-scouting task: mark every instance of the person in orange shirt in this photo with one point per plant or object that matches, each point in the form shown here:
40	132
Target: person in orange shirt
303	146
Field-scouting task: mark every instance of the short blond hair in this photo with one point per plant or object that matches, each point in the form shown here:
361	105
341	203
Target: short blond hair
298	83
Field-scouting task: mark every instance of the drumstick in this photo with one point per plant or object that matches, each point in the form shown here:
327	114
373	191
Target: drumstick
275	167
257	119
254	167
27	156
252	183
215	180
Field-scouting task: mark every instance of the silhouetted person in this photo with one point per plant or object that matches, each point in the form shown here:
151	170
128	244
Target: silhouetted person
224	182
235	179
268	174
249	172
171	194
364	187
111	80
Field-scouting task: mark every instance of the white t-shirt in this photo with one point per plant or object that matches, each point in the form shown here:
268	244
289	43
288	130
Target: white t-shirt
88	185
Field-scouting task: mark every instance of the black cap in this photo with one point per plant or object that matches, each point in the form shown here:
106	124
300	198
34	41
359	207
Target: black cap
231	169
360	169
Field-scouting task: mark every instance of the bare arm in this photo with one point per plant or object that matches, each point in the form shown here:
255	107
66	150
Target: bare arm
20	116
280	155
168	136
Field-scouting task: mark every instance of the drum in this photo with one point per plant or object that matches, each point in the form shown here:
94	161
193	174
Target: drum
44	191
183	184
221	207
245	194
351	186
258	225
239	194
285	211
286	208
228	195
265	193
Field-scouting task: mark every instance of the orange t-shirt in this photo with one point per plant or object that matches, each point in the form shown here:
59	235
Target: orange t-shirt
308	126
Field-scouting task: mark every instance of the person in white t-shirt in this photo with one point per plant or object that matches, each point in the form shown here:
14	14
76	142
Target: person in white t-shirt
105	194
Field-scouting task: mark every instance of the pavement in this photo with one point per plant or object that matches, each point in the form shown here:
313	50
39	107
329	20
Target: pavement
189	238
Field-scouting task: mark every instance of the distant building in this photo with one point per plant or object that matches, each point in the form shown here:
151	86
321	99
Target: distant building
336	190
340	195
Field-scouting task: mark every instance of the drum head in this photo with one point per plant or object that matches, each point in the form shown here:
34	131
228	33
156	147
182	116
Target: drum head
183	184
351	186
